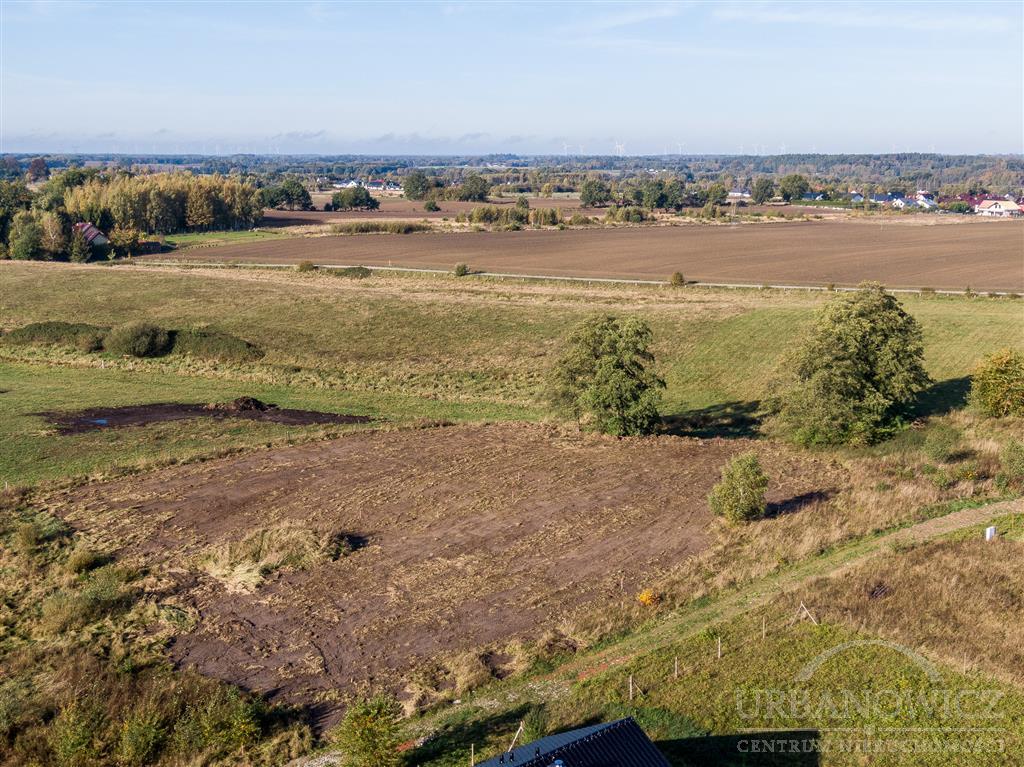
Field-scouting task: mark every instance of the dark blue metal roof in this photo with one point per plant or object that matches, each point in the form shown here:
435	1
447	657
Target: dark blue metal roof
613	744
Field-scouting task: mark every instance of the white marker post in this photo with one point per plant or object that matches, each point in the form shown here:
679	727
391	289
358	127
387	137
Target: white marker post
990	533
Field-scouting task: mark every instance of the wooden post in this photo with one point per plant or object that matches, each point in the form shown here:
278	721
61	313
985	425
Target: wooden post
472	755
719	648
631	687
675	674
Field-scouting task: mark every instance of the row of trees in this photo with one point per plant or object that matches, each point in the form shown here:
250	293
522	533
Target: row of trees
676	193
852	382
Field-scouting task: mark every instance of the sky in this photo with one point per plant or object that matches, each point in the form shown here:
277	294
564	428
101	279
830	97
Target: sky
522	78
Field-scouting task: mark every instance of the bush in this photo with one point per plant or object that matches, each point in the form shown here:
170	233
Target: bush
380	227
304	267
353	272
605	376
368	734
83	559
431	206
739	496
461	270
76	733
214	345
677	280
79	335
142	735
942	443
997	384
857	374
578	219
1011	460
104	592
137	339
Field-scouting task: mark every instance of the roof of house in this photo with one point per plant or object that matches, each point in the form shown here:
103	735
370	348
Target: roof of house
1003	204
88	231
613	744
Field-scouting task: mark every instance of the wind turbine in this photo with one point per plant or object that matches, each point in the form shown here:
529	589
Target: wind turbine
619	148
565	148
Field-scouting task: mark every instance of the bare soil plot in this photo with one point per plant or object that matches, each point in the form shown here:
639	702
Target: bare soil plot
93	419
474	535
984	255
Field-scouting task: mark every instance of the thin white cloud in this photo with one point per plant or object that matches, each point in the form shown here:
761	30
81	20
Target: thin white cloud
931	17
634	14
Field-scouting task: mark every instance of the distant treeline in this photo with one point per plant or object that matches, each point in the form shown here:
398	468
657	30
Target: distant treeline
39	223
937	172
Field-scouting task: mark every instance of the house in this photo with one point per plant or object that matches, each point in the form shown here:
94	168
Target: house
903	202
924	194
814	196
1002	208
93	236
739	193
882	199
612	744
856	197
927	203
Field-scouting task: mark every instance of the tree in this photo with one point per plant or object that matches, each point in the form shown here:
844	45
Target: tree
717	194
793	187
295	196
858	372
997	384
594	193
368	733
124	240
605	376
416	185
14	197
37	169
198	208
762	191
54	238
26	238
431	206
474	188
739	496
356	197
79	252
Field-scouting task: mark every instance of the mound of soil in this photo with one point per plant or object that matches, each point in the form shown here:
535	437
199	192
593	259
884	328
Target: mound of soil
469	535
92	419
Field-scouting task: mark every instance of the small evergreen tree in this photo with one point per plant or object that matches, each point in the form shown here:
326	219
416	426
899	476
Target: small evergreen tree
739	496
80	252
368	734
605	377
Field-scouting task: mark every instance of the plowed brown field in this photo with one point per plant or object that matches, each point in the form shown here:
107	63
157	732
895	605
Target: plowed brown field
474	535
985	255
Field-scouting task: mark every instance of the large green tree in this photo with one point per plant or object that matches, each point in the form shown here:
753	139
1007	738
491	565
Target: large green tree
474	189
793	187
605	378
594	193
762	191
857	374
416	185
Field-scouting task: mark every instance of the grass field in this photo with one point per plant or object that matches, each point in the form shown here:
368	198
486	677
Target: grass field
192	239
400	348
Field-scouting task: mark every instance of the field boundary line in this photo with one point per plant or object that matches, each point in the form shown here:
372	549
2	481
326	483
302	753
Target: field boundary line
571	278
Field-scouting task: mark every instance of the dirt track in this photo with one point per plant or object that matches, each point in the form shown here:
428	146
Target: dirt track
475	535
983	255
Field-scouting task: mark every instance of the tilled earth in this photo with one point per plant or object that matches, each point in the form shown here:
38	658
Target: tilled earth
474	535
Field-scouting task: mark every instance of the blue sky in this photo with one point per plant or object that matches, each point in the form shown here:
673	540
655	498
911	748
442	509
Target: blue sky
450	77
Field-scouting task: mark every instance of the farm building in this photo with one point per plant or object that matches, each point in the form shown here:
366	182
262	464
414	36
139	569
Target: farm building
1002	208
814	196
739	194
621	742
856	197
93	236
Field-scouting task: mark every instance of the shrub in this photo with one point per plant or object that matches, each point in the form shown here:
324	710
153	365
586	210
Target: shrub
214	345
224	720
79	335
677	280
858	372
605	376
104	592
383	227
142	734
305	266
368	734
353	272
76	733
461	270
997	384
137	339
1011	460
578	219
942	442
739	496
431	206
27	537
536	724
83	559
545	217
